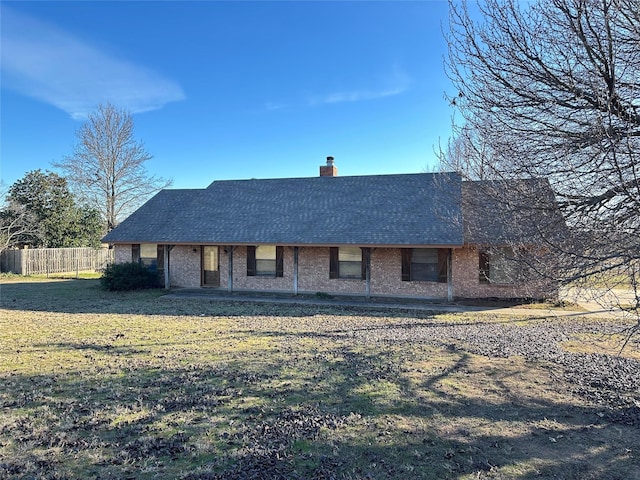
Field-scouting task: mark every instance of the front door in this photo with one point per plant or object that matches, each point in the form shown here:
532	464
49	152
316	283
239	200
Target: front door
210	266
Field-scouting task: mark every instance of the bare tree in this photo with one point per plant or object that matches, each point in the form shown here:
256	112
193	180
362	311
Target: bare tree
17	224
467	154
551	89
107	168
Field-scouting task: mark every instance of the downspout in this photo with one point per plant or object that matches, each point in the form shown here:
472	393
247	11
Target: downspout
450	275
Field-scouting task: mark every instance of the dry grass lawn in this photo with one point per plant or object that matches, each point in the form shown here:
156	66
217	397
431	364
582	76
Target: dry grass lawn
98	385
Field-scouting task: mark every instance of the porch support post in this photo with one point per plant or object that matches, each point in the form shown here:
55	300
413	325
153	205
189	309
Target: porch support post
229	251
295	270
167	277
450	275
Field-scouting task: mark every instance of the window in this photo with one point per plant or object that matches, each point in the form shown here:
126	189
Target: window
265	261
346	262
149	254
497	266
425	264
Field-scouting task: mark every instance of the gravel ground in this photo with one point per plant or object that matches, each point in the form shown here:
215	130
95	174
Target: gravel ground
608	381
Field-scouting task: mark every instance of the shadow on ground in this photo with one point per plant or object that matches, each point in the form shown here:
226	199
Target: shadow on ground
103	385
340	412
86	296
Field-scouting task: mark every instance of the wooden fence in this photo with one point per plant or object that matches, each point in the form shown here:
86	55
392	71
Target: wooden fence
39	261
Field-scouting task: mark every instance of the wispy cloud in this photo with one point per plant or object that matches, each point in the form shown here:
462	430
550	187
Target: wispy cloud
41	61
353	96
271	106
390	85
395	82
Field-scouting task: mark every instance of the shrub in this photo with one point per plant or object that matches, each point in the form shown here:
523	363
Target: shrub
128	276
323	295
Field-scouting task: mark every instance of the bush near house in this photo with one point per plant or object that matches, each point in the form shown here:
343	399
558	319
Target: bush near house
128	276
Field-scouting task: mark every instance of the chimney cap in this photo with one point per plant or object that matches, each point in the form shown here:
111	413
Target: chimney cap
329	170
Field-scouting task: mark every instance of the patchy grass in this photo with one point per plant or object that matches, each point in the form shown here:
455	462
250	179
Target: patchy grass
13	278
71	275
99	384
604	344
553	305
560	305
8	276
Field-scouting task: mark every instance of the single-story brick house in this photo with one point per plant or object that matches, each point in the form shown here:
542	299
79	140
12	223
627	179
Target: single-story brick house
406	235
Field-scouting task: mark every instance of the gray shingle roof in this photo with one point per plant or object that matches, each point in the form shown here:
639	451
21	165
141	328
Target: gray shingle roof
409	209
510	211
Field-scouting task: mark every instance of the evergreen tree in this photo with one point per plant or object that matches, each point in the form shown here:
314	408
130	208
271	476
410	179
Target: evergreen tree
46	198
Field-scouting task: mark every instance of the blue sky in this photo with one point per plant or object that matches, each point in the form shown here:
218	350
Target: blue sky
229	90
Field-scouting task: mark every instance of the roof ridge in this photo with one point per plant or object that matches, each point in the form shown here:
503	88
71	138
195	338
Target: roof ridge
338	178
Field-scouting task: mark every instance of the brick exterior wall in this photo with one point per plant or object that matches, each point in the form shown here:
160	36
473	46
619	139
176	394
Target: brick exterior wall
466	283
184	266
386	277
122	253
268	284
313	274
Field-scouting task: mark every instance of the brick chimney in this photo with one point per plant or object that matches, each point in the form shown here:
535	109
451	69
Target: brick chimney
329	170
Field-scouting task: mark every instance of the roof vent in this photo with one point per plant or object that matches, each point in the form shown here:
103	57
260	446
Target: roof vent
329	170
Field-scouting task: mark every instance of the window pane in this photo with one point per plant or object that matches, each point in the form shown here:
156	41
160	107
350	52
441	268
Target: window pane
424	255
349	262
350	270
424	272
266	252
210	273
349	254
503	269
424	264
265	267
149	255
148	250
210	258
151	263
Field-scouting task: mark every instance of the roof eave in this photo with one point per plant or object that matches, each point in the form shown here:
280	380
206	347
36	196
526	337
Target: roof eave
296	244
